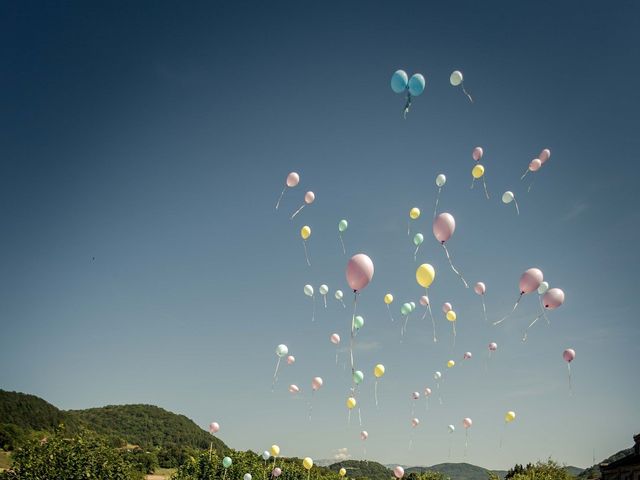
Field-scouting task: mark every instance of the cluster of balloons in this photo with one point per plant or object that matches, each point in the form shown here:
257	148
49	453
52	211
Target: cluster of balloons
414	86
477	172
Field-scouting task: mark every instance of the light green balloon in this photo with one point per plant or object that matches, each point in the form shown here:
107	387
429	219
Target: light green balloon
441	179
308	290
358	322
226	462
405	309
282	350
343	225
418	238
358	377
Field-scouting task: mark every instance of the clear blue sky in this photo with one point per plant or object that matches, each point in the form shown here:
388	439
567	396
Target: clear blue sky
155	136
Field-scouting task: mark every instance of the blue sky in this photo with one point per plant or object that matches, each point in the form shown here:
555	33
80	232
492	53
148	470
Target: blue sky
156	137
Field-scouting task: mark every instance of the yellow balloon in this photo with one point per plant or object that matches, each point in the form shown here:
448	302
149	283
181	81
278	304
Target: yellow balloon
451	316
425	275
477	171
307	463
388	298
378	370
305	232
414	213
342	472
451	364
351	403
275	450
509	417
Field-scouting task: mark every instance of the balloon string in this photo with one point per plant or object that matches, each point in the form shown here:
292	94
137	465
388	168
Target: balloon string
433	322
407	106
544	314
280	198
435	208
343	305
275	374
530	185
349	418
344	250
473	182
450	443
224	474
297	211
517	208
452	267
453	326
375	392
306	254
524	337
484	309
569	371
313	308
389	310
485	187
324	297
466	442
510	313
336	357
524	174
465	92
353	318
359	417
210	450
415	253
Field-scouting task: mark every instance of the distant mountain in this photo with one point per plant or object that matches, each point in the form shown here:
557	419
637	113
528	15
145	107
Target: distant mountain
363	468
593	472
456	471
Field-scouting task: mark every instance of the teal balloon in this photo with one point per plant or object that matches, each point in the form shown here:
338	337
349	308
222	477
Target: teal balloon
399	81
405	309
358	377
343	225
418	238
358	322
416	84
226	462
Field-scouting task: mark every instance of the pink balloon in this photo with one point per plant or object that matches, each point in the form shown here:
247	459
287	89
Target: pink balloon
446	307
535	165
316	383
477	153
480	288
415	422
214	427
424	300
292	179
427	392
276	472
335	338
544	155
364	435
294	389
359	271
569	354
553	298
309	197
443	227
467	422
493	346
415	395
531	280
398	472
291	360
468	355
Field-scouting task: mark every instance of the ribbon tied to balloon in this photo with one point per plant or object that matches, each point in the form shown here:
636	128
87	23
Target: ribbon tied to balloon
291	181
456	79
443	227
529	282
359	273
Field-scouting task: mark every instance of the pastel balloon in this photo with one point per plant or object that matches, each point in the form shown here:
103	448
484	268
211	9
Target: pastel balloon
359	271
358	377
294	389
339	294
530	280
477	171
544	155
275	450
507	197
358	322
451	364
388	299
342	472
307	463
452	428
276	472
443	227
308	290
544	286
292	179
266	455
509	416
282	350
415	422
247	476
343	225
467	355
316	383
441	179
324	289
451	316
569	354
309	197
398	472
415	395
467	422
416	84
412	305
351	403
414	213
214	427
427	392
477	153
553	298
405	309
364	435
335	338
378	370
425	275
493	346
291	360
446	306
535	164
226	462
437	376
480	288
456	78
399	81
424	300
305	232
418	238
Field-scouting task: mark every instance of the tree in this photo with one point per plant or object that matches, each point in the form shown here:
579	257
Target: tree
549	470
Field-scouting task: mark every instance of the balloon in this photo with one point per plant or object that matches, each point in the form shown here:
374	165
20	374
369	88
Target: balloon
309	197
305	232
226	462
342	472
413	305
569	354
276	472
477	153
214	427
437	376
378	370
358	377
266	455
358	322
427	392
308	290
415	422
480	288
509	416
507	197
544	155
307	463
247	476
282	350
292	179
530	280
294	389
275	450
324	289
342	225
425	275
493	346
424	300
339	295
291	360
415	395
553	298
451	316
399	81
477	171
452	428
414	213
467	355
441	179
316	383
388	298
359	271
443	227
456	78
416	84
418	238
451	364
535	164
398	472
364	435
405	309
467	422
351	403
446	307
544	286
335	338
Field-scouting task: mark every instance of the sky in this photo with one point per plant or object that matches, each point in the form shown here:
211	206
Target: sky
143	146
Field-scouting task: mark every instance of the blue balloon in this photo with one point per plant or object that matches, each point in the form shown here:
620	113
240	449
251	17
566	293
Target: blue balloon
399	81
416	84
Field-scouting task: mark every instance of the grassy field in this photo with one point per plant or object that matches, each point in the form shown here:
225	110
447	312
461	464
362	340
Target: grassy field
5	461
161	474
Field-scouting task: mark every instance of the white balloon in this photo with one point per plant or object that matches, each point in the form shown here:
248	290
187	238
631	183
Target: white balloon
544	286
441	180
324	289
247	476
308	290
507	197
339	294
456	78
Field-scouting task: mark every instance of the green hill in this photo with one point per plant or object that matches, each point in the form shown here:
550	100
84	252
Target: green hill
593	472
455	471
29	412
362	468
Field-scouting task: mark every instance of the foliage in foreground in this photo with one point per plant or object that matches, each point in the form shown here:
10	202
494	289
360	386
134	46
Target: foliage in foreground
549	470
